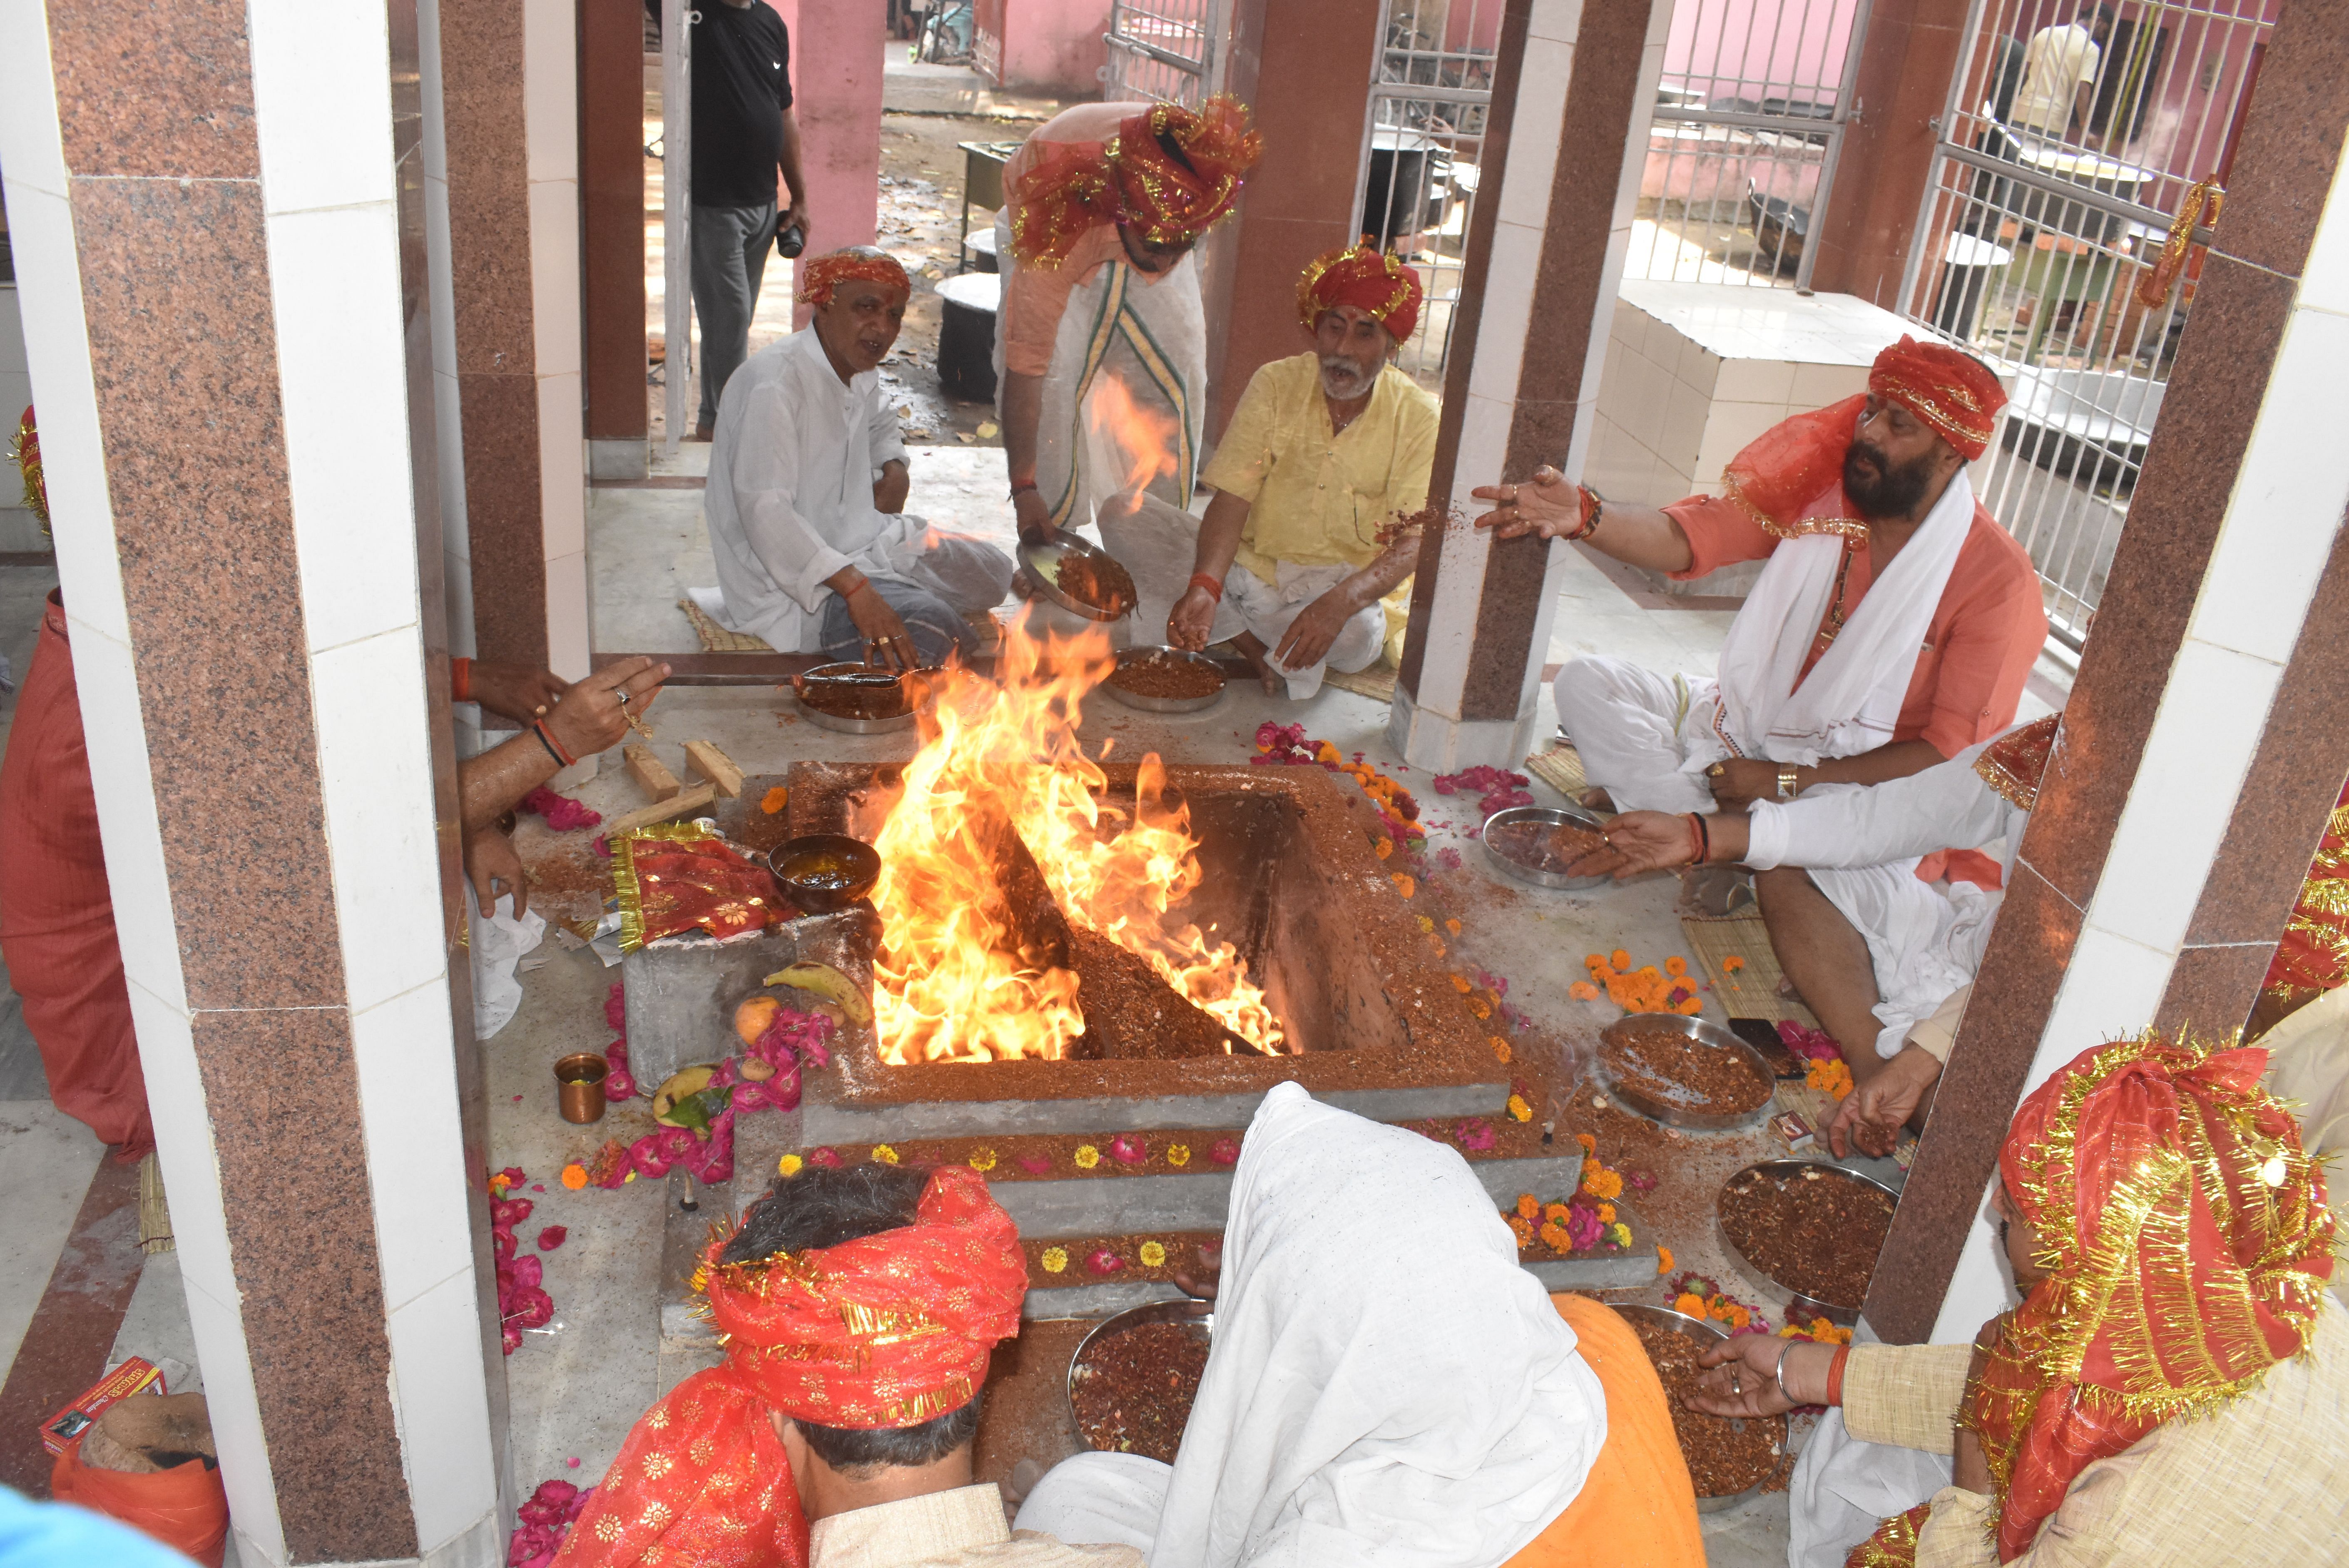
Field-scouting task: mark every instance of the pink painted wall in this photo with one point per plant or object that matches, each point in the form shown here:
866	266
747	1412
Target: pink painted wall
837	54
1755	49
1053	48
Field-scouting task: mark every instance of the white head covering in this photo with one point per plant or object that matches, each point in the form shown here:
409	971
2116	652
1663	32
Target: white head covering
1387	1386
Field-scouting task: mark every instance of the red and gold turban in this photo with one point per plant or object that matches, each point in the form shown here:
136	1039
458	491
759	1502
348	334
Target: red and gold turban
826	273
2187	1248
886	1331
1134	179
1376	284
1952	393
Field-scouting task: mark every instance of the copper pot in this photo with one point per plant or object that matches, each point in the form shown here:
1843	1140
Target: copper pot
579	1086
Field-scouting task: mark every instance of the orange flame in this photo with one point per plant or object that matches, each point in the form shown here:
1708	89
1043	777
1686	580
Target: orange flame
949	984
1144	438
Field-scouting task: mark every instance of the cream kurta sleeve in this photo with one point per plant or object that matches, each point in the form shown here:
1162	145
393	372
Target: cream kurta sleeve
2262	1479
1905	1394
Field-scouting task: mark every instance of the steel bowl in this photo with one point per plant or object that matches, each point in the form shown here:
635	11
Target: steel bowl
1664	1111
913	691
1705	1334
1132	1318
796	863
1166	705
1548	817
1043	558
1797	1303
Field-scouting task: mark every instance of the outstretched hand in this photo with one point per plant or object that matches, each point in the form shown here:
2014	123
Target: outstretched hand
1545	505
1637	842
593	714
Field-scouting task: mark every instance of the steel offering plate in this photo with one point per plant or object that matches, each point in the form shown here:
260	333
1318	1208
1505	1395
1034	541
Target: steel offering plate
1118	1322
1043	559
1163	652
912	689
1707	1335
1548	817
1664	1111
1808	1307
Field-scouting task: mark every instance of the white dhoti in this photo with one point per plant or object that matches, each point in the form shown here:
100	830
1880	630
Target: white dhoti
1267	609
1844	1487
1925	940
1631	727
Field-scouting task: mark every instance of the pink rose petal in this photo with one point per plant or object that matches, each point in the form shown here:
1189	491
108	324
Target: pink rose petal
553	1237
1036	1164
1104	1262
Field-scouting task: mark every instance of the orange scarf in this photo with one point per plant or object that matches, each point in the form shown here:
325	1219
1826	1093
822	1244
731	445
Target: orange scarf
2188	1246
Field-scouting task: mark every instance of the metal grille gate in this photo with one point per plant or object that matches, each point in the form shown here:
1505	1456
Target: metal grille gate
1749	123
1422	149
2040	222
1163	49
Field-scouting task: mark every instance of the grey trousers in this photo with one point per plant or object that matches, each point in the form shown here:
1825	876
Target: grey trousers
730	245
955	574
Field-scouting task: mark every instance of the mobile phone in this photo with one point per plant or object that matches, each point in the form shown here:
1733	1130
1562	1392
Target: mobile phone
1762	1036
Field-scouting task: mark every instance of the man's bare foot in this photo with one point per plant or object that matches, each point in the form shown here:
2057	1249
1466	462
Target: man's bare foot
703	433
1597	800
1024	584
1275	683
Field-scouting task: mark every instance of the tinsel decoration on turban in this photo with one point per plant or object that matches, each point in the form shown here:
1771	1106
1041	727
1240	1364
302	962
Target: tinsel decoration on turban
1955	393
885	1332
2189	1245
826	273
1376	284
1170	173
27	451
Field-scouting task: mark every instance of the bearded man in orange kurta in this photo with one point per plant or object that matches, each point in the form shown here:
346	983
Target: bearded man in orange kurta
859	1307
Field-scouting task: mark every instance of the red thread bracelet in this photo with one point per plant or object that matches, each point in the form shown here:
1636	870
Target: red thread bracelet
1696	840
1214	585
1835	1373
460	679
546	738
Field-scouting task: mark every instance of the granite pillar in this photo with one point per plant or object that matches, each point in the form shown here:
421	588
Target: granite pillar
217	213
612	211
2201	749
1573	96
509	77
1304	70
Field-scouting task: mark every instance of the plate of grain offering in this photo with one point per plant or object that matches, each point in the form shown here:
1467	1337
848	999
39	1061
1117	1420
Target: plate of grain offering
1080	579
1132	1378
1728	1460
1811	1230
1685	1071
859	699
1535	844
1164	680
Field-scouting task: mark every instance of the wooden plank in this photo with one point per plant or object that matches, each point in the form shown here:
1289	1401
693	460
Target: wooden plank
652	776
691	800
708	762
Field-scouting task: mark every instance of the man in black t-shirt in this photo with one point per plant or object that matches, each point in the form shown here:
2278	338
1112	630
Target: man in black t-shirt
743	133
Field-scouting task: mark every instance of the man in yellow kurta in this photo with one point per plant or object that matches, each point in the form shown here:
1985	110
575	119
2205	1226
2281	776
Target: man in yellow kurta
1327	452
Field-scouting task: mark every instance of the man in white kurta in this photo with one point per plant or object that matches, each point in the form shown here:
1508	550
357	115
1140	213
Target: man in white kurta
807	486
1861	846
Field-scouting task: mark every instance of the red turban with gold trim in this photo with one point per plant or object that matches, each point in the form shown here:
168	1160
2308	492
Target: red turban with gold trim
886	1331
826	273
1953	392
1371	282
1168	197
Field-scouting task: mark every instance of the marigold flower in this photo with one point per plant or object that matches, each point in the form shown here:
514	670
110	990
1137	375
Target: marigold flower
774	799
1693	1008
1178	1154
1554	1237
1676	966
1528	1206
1734	1315
1732	964
1687	1302
1620	958
1153	1255
789	1165
884	1154
1426	924
1619	1233
1382	848
1555	1212
574	1176
1460	983
1437	943
1054	1259
1405	884
1452	926
1603	1183
1590	1144
981	1159
1594	960
1520	1109
1501	1051
1087	1157
1663	1260
1607	1214
1522	1229
1480	1008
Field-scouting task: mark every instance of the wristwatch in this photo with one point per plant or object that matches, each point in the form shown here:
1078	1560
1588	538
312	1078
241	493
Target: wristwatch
1787	783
